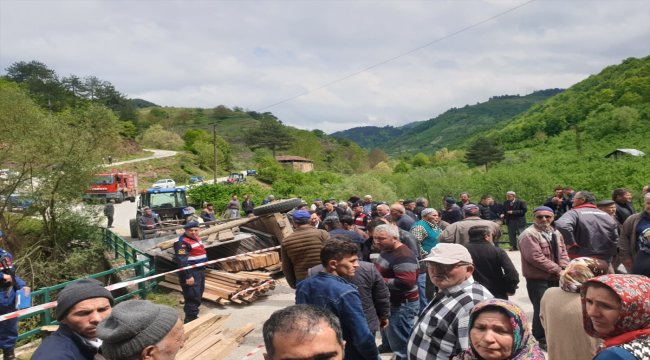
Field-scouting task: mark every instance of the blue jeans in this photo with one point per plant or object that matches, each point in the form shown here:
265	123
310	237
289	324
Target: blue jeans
422	290
400	326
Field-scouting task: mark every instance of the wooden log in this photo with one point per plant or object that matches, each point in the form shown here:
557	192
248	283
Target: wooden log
228	225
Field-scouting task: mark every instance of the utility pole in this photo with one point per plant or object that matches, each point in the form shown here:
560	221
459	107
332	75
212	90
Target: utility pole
214	141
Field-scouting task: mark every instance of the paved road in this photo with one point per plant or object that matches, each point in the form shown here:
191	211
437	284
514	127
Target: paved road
157	154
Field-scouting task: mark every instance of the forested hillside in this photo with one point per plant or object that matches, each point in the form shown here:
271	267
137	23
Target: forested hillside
449	130
370	137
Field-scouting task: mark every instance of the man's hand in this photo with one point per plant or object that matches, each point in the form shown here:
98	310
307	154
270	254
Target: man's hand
6	278
189	281
383	323
27	290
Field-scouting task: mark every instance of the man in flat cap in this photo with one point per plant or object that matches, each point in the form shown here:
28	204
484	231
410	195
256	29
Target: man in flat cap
458	232
301	249
81	306
189	250
139	329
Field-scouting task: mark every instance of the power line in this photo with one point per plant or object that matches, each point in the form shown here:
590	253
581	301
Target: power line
400	55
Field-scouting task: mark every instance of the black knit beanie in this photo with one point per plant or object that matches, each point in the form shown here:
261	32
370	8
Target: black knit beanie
132	326
78	291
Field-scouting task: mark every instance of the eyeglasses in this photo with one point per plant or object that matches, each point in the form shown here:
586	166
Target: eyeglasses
444	268
543	216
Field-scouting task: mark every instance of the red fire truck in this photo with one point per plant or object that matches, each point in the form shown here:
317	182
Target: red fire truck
116	185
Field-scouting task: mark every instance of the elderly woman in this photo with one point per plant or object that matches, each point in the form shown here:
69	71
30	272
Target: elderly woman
616	308
561	312
499	331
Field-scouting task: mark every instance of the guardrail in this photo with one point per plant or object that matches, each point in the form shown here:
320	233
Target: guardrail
141	264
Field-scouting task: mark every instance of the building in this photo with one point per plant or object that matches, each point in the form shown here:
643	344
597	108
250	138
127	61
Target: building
624	152
296	162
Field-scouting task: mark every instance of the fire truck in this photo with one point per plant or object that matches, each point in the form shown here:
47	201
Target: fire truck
117	185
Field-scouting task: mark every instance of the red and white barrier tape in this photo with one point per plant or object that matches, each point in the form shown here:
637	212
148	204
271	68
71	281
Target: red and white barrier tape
257	349
124	284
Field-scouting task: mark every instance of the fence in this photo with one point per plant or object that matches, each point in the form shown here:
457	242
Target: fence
138	263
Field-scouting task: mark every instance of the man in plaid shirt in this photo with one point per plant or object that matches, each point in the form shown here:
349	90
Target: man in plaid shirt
442	330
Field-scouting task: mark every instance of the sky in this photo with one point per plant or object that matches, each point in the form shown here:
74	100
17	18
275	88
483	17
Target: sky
328	65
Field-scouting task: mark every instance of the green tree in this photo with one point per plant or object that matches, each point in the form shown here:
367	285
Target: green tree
158	138
54	156
375	156
270	134
420	160
41	82
483	151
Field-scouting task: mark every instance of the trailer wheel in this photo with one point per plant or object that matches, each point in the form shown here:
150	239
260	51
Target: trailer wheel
279	206
133	225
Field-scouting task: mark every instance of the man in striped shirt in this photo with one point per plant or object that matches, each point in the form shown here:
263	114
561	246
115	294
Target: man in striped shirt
442	330
398	266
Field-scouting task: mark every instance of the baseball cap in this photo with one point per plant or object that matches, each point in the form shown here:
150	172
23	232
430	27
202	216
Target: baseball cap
301	215
448	254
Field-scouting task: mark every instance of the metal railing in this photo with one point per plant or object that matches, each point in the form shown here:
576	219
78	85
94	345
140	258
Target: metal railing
138	263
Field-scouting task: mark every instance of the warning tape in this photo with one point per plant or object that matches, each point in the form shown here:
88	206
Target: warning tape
257	348
124	284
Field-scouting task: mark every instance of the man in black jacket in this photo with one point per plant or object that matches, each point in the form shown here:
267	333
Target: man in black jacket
492	266
623	199
514	215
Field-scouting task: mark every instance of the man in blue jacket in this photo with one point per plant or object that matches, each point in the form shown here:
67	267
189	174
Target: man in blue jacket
329	290
9	284
80	307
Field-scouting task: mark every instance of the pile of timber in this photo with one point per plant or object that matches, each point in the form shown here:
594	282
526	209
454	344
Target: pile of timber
224	288
206	338
268	261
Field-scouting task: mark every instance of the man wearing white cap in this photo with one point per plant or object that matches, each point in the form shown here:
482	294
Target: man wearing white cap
442	330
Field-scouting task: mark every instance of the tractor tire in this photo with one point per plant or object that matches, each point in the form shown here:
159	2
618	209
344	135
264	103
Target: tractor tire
279	206
120	198
133	226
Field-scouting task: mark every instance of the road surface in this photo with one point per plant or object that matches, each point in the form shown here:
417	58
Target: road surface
157	154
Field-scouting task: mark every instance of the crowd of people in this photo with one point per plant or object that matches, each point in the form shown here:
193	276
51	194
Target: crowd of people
446	280
434	283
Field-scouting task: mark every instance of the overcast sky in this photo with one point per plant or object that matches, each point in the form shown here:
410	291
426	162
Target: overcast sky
422	57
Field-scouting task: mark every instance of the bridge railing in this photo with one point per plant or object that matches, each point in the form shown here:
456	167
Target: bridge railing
138	265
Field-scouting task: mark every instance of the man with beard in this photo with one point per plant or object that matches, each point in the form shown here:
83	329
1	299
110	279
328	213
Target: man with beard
543	256
81	306
329	290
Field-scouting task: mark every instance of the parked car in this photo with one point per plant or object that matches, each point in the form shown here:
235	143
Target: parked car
164	184
197	179
251	172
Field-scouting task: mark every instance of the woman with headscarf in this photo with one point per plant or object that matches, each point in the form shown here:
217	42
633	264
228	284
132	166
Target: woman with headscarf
561	312
499	331
616	308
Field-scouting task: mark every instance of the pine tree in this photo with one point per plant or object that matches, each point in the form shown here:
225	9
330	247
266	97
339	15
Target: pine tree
484	152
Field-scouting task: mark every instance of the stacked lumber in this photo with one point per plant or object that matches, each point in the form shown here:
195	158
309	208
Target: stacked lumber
250	262
207	339
224	288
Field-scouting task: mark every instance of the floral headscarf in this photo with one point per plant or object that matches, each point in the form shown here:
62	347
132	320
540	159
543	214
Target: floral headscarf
634	292
580	270
524	344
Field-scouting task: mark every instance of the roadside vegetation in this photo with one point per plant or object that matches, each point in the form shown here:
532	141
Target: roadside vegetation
57	131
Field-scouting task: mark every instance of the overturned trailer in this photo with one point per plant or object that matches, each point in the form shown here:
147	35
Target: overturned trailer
223	239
